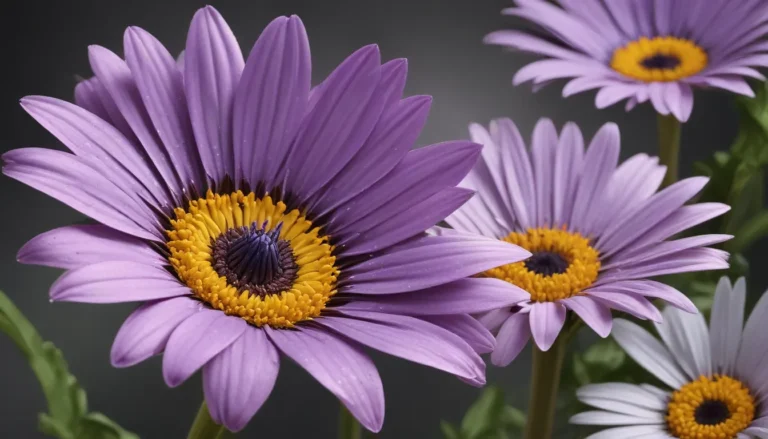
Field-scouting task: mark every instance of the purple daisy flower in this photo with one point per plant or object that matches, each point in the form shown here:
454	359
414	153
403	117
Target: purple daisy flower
255	215
642	50
597	230
716	376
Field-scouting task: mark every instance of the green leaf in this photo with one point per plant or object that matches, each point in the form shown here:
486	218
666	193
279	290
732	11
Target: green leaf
484	414
605	354
513	417
449	431
67	416
751	231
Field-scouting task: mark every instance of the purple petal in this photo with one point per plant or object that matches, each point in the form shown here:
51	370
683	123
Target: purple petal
146	331
653	289
547	319
543	146
118	80
342	368
347	109
512	338
634	181
464	296
238	380
493	178
68	179
680	100
213	64
376	231
519	171
393	136
568	163
632	304
666	249
601	159
492	320
682	219
271	100
645	216
99	145
77	246
429	261
596	315
696	259
162	90
529	43
116	282
94	97
566	27
422	173
394	74
198	340
410	338
470	330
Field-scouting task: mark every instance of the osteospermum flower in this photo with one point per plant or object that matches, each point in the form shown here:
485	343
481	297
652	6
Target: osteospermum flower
641	50
717	376
255	215
597	230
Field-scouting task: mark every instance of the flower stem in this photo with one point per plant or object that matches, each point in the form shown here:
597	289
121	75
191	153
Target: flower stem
349	428
669	146
545	382
204	427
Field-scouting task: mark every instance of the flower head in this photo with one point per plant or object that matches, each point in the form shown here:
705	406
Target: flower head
255	215
598	231
716	376
640	50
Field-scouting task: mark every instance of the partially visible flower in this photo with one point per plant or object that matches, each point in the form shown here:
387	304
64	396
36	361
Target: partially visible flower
255	215
598	230
718	382
641	50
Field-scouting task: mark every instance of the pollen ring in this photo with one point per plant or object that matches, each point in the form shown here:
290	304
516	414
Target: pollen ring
660	59
252	258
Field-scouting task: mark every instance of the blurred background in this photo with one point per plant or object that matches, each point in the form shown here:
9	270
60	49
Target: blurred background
45	49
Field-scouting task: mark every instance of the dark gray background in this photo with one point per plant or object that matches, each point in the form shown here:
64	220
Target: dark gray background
45	47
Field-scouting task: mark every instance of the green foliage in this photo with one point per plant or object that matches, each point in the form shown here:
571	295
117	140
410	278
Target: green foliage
68	416
488	418
737	177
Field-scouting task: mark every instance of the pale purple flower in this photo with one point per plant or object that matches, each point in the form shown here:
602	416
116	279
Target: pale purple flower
254	215
716	379
640	50
598	231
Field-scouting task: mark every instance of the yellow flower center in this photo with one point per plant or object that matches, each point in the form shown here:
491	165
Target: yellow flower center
661	59
563	264
250	258
710	408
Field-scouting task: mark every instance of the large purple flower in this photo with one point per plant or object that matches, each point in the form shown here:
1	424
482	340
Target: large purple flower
642	50
253	214
597	230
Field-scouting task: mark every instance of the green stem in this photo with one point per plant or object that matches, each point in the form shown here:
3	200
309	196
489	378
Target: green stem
349	428
545	382
204	427
669	146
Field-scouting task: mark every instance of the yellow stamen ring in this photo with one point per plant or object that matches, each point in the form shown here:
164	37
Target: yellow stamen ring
687	417
583	264
194	230
661	59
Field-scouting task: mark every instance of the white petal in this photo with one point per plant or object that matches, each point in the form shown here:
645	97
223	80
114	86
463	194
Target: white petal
627	432
726	324
687	336
624	392
608	418
648	352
